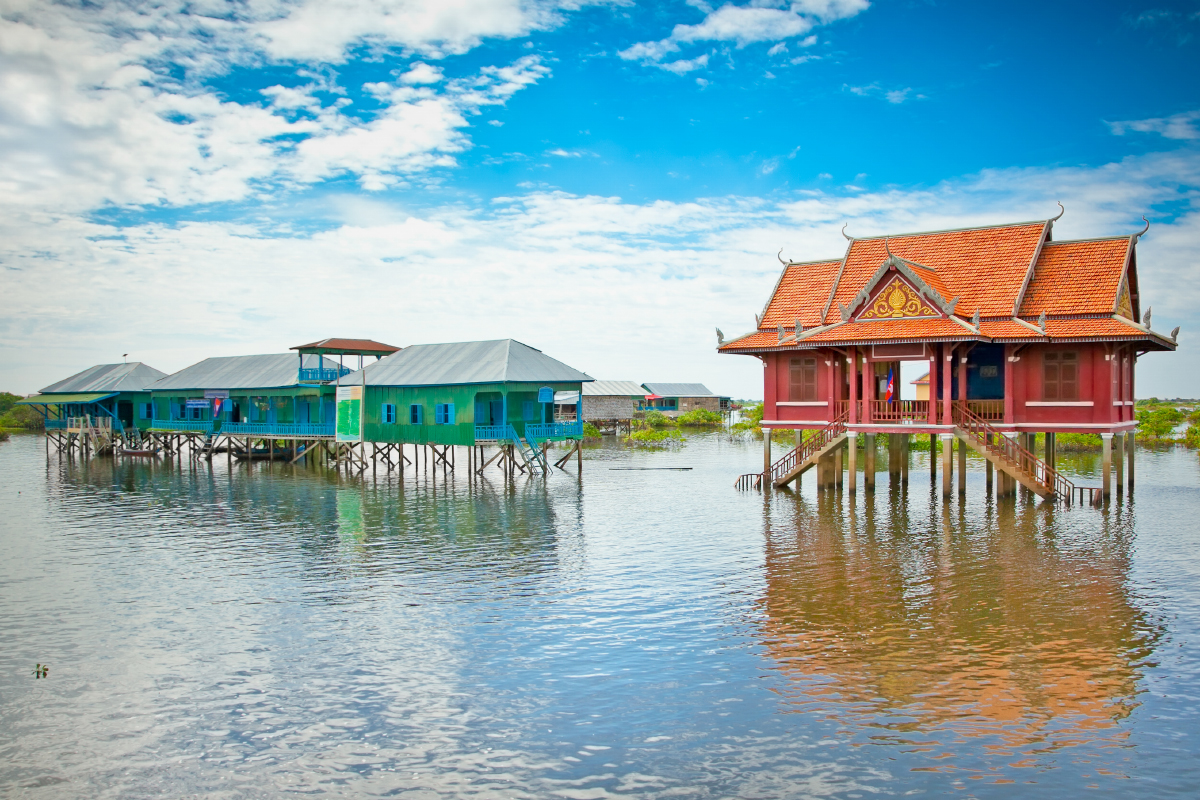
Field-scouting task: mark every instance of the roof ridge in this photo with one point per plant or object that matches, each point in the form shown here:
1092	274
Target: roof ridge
1124	237
954	230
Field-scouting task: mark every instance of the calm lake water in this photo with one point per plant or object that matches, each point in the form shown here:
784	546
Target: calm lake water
274	632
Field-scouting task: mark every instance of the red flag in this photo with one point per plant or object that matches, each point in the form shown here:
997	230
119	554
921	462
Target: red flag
891	387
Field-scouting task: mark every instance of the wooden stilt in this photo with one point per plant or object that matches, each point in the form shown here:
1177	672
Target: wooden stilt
1131	447
933	456
869	463
989	469
837	466
962	467
947	476
905	439
766	455
852	462
1119	461
1106	477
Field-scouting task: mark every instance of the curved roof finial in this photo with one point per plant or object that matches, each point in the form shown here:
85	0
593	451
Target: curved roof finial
1061	210
885	247
848	238
1142	232
779	255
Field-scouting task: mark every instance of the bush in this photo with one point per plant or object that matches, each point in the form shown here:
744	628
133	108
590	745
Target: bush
657	419
7	401
1157	424
1192	437
651	437
698	417
590	431
22	417
1078	441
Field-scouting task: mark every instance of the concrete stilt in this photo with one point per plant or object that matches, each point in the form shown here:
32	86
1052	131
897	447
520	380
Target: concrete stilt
933	457
989	469
962	466
1106	476
904	442
837	466
1130	446
869	463
947	474
852	462
766	456
1052	449
1119	460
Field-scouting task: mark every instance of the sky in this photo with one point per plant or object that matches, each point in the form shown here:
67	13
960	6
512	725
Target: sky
606	181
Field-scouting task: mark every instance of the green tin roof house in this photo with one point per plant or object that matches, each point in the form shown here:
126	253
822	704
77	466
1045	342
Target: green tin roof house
266	395
114	392
466	393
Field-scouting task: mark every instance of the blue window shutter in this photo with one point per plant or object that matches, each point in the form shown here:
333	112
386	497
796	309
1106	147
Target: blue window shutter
481	413
450	413
416	414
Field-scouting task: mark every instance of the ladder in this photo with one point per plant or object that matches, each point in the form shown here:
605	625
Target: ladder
1030	471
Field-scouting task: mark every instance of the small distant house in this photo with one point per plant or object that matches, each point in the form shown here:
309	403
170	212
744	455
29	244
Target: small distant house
602	400
275	394
116	392
922	384
674	399
466	393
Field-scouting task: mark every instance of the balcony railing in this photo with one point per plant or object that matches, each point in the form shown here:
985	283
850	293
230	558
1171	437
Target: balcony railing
56	424
553	430
490	433
323	374
988	410
283	430
902	411
188	426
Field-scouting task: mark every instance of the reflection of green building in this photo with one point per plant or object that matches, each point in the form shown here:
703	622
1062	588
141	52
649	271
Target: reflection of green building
466	393
110	394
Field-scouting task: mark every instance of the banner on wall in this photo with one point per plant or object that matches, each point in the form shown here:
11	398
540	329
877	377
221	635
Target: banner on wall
349	413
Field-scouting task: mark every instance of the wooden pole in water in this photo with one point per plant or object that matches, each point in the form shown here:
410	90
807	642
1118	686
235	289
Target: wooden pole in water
1131	447
933	456
905	439
852	461
1119	460
837	466
962	467
989	469
766	456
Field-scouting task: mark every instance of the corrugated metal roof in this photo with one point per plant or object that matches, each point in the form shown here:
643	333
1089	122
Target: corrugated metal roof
613	389
132	377
66	397
678	389
457	363
566	398
242	372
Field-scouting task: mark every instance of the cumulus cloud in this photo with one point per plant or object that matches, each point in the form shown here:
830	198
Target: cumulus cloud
633	262
109	103
1177	126
748	24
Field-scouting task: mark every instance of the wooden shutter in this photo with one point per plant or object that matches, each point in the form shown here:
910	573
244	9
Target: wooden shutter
802	380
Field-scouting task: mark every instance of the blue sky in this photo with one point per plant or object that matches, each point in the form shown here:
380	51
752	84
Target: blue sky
605	181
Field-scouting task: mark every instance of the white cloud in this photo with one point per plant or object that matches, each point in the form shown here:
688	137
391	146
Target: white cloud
894	96
749	24
661	270
686	65
420	72
1177	126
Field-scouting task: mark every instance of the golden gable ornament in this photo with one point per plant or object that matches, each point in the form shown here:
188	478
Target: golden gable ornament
897	301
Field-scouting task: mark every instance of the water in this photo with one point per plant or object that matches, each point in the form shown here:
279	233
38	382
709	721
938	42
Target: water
277	631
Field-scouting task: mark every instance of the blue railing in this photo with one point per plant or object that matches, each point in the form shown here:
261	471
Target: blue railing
553	430
323	374
490	433
56	424
192	426
298	430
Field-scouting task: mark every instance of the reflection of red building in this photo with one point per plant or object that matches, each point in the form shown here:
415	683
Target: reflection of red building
1022	334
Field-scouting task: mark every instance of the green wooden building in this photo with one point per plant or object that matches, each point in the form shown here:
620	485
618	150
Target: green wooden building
463	393
279	395
114	394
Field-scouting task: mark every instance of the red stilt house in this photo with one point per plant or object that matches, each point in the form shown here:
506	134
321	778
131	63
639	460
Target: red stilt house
1021	334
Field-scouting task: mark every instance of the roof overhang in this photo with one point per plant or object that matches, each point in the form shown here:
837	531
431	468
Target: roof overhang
63	399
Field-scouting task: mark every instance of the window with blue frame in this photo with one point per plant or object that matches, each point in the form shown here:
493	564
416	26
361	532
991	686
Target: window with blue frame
147	410
416	414
529	410
389	413
443	414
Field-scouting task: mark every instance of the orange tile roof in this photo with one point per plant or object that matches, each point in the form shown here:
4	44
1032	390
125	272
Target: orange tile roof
983	267
1077	277
801	292
887	329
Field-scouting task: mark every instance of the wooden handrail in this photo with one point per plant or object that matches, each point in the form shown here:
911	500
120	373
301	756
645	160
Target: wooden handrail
1041	472
813	445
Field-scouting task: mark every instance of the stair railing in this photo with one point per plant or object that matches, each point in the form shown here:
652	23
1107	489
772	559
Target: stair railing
978	428
810	447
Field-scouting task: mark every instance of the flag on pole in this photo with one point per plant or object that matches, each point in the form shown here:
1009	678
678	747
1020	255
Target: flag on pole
891	387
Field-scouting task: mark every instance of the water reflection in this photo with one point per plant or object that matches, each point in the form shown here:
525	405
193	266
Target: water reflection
924	624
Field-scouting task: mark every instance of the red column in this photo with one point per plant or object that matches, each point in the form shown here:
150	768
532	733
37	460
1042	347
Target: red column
868	388
947	389
853	385
933	384
1010	400
769	393
962	378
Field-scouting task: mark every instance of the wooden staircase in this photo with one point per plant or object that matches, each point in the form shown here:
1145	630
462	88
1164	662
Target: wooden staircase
801	459
1023	466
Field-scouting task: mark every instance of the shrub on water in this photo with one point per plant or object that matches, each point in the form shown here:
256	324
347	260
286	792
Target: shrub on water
590	431
657	419
1156	424
650	437
699	416
22	417
1079	441
1192	437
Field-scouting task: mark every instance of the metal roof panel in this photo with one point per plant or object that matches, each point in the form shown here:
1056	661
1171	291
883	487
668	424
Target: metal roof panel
679	389
242	372
498	361
131	377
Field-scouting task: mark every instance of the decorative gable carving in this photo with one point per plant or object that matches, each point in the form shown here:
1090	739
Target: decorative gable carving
897	300
1125	301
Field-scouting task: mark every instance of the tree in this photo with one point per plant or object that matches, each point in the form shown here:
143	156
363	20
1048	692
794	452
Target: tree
7	401
1158	423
